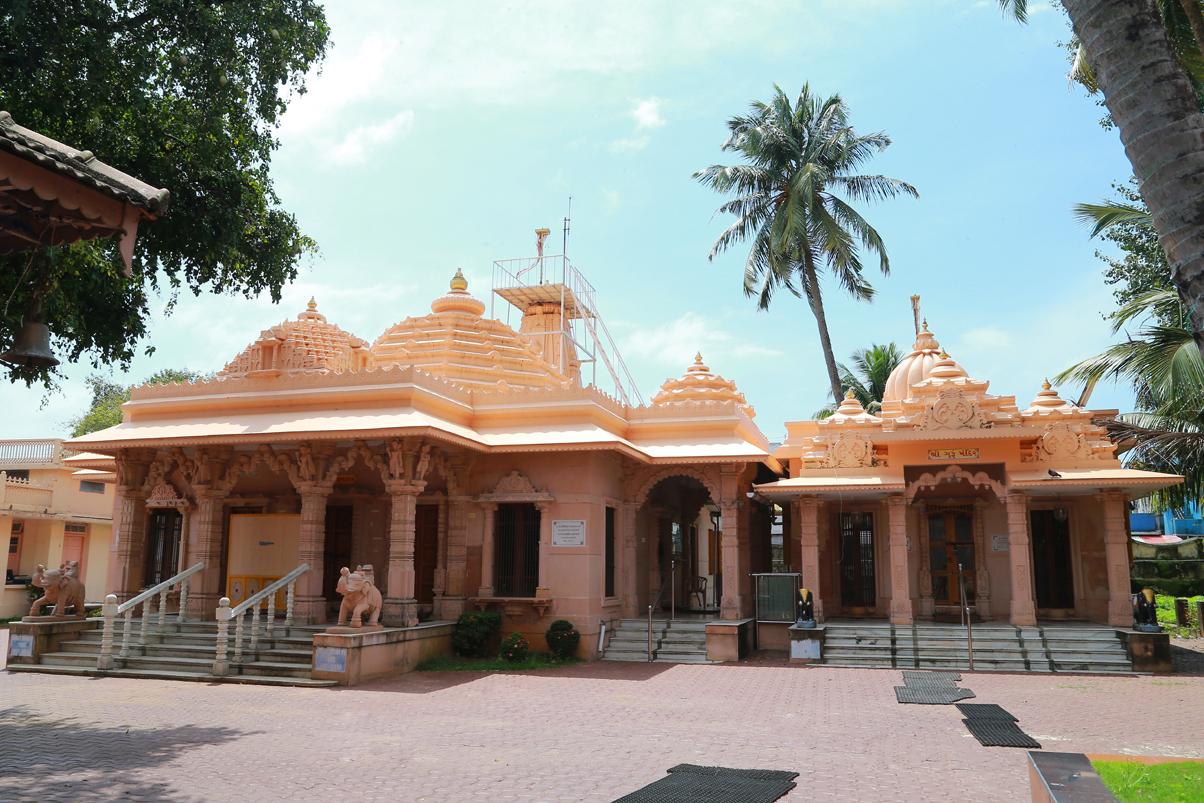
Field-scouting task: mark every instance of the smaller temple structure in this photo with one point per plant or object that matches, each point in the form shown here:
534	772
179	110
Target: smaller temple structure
952	490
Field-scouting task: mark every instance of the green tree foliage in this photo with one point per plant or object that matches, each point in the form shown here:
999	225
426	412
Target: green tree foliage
1126	223
108	396
792	196
182	94
867	377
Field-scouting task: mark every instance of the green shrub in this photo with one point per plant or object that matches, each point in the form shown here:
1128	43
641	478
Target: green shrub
1170	588
476	632
562	638
515	648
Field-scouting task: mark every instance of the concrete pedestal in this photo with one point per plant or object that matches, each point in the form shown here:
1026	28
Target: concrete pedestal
34	635
367	653
1149	652
807	644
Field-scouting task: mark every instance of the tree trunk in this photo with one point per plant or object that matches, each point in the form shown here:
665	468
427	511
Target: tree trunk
817	308
1154	108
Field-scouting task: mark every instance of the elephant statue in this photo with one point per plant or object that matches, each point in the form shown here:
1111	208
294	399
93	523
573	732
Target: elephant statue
360	597
61	588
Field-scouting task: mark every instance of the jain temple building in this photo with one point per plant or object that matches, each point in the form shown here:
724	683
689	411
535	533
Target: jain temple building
475	462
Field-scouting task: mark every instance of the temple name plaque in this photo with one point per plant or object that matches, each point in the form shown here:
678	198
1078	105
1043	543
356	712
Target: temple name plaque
330	659
20	646
568	532
999	543
966	453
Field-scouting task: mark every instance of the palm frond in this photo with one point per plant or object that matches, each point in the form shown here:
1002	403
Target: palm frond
1103	216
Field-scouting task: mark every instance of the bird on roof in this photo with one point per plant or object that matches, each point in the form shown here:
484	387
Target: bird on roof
1055	475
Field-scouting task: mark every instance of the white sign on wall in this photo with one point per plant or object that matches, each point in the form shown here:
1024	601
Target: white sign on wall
999	543
568	532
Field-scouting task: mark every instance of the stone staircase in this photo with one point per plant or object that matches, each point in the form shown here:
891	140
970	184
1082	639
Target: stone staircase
185	651
677	642
997	646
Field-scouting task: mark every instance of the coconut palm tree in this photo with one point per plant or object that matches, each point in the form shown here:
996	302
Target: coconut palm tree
1152	101
1166	370
867	378
792	195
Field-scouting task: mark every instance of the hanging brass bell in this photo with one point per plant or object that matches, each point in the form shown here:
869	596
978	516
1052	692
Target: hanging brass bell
31	347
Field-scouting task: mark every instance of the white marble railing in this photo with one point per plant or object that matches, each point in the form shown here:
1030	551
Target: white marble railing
252	605
146	599
31	452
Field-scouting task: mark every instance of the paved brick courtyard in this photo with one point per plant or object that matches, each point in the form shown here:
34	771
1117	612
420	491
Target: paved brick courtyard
591	732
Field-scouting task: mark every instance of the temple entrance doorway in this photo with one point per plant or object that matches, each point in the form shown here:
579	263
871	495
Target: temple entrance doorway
950	544
1053	576
162	546
679	570
336	552
516	545
857	569
426	553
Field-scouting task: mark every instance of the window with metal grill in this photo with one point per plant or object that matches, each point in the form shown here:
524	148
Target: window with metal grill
516	550
609	558
91	487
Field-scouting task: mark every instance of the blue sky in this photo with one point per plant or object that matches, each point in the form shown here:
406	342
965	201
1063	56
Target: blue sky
438	136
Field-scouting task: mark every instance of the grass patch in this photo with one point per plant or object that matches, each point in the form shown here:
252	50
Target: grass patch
1131	782
1166	616
454	663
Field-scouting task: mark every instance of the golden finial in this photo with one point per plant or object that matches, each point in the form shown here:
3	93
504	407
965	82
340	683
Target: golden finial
458	281
698	358
944	354
1045	385
312	305
925	324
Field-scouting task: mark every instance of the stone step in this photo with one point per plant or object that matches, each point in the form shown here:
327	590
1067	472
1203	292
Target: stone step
625	655
682	659
261	680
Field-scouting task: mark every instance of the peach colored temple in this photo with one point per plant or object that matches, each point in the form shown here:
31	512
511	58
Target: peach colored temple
472	465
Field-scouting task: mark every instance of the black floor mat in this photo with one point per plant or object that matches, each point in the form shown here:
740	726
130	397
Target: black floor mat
687	783
999	733
923	675
931	695
985	711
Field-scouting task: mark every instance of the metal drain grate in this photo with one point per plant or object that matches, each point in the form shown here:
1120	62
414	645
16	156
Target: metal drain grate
924	675
999	733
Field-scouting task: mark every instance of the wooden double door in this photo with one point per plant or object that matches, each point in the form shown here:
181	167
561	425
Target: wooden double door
950	545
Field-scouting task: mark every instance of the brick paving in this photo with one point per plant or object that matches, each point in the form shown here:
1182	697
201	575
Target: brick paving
591	732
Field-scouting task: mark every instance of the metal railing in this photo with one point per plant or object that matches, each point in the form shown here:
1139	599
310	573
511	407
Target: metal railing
671	582
238	613
966	617
146	599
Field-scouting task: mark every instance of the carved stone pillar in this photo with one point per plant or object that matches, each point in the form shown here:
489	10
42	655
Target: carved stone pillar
1024	611
927	605
129	539
901	612
452	603
208	522
487	538
543	589
628	567
732	605
310	605
440	580
1116	556
982	577
807	510
401	608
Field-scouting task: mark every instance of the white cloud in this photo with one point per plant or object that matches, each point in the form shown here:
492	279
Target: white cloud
647	114
628	144
678	340
357	145
611	201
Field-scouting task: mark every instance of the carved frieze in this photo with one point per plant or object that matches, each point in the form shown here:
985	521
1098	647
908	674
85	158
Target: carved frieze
850	450
1059	442
952	409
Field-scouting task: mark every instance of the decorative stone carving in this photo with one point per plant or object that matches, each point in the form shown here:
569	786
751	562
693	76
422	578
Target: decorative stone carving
850	450
514	483
978	479
165	495
61	588
360	596
952	409
1059	441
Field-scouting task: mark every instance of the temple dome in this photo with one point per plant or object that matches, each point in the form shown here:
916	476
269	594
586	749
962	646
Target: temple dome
1048	401
919	365
456	343
850	409
308	344
699	384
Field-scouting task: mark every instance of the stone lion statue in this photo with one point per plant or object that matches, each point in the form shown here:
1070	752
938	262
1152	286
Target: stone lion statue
360	596
61	588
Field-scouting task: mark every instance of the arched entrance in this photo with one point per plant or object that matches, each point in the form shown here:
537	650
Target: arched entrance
678	560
